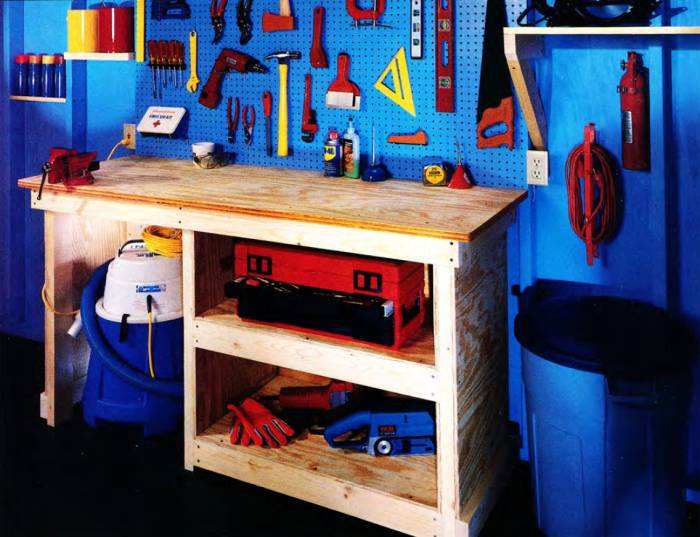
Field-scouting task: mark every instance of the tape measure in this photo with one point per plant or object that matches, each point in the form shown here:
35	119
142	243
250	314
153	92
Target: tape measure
434	173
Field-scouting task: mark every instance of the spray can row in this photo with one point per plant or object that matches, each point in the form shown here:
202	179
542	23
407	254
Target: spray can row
40	75
341	156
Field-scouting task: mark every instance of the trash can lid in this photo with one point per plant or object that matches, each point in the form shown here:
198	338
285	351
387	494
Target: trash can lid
613	336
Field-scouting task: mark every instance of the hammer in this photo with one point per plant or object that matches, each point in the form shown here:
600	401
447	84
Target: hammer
282	116
272	22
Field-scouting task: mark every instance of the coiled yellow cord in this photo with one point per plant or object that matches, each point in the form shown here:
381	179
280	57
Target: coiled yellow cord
49	307
165	241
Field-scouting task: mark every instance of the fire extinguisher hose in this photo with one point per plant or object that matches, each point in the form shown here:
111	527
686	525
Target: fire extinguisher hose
604	214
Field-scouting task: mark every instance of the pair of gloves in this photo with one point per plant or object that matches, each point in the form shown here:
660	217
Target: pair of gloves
255	424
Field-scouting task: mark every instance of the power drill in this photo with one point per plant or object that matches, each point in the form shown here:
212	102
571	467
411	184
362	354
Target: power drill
228	60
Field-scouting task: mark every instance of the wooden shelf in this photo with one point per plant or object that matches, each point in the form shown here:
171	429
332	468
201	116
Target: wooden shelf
37	99
617	30
99	56
525	44
397	491
409	371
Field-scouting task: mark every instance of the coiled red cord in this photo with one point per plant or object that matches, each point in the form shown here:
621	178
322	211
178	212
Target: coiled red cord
604	215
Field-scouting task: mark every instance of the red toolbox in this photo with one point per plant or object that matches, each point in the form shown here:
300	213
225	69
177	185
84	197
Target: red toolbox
352	297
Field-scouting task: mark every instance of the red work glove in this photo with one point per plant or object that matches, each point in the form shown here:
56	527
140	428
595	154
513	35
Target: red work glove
254	422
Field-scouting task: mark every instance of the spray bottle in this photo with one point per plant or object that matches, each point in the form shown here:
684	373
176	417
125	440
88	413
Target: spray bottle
332	163
351	152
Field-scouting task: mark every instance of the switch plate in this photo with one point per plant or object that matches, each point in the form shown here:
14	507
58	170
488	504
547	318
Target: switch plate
537	168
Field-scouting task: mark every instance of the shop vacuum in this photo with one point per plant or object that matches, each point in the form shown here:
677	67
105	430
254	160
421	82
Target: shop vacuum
131	312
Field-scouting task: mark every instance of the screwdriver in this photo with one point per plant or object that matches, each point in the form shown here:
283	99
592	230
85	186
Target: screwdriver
180	60
163	53
267	107
153	62
172	60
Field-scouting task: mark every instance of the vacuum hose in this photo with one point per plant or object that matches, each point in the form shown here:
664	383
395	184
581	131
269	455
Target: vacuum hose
102	349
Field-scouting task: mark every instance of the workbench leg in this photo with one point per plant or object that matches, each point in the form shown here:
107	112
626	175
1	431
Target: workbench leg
190	354
74	247
471	335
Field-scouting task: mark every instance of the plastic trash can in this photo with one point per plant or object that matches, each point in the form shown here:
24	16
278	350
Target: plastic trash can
607	386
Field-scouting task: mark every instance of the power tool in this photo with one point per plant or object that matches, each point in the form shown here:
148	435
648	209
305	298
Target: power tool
333	395
228	60
393	432
69	167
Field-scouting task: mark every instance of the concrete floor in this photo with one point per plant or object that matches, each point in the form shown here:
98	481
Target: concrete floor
74	481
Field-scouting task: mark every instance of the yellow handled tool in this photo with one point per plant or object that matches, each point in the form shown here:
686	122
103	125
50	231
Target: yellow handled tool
193	82
282	117
140	30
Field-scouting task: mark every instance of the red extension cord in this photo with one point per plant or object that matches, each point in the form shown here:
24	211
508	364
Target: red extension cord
592	218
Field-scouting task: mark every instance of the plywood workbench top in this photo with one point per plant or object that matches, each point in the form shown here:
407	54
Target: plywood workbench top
399	206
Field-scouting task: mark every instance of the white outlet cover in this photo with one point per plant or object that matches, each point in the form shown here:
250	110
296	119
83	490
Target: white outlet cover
537	168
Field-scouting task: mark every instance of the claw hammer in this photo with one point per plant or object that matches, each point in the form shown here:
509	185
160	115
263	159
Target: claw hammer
283	58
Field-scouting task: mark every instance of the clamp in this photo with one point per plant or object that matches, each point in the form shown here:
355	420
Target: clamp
373	14
248	124
217	18
232	121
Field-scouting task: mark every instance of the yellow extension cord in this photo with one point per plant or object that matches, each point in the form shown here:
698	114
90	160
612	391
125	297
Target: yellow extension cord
49	307
165	241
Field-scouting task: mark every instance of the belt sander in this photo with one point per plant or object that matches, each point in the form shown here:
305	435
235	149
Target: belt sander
379	301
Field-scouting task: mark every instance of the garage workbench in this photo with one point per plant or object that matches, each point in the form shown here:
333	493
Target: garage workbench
459	362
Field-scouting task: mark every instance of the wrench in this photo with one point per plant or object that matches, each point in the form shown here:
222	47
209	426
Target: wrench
193	82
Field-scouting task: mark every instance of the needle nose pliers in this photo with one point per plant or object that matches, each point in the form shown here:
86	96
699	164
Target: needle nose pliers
248	124
232	120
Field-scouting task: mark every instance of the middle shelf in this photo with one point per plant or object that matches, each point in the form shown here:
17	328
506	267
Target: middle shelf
409	371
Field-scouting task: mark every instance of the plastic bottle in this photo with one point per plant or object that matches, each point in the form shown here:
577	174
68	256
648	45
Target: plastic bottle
332	164
351	152
47	75
59	76
20	85
34	76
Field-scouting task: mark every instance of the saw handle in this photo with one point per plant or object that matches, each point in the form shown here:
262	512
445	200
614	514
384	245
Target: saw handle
282	118
503	113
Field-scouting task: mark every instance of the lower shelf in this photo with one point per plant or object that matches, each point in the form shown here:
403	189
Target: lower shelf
398	492
37	99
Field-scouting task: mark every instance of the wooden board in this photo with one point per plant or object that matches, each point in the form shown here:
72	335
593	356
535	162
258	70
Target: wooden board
400	206
408	478
27	98
613	30
74	247
407	371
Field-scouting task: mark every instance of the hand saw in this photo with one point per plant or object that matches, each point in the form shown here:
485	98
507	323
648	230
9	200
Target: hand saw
495	105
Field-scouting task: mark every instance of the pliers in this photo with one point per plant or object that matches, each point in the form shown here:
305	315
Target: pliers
232	122
248	124
243	20
217	18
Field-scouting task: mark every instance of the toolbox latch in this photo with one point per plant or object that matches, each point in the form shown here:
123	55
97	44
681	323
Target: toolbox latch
260	264
367	281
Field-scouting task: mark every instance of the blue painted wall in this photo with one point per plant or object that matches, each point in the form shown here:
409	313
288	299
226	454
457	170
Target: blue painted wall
654	257
101	98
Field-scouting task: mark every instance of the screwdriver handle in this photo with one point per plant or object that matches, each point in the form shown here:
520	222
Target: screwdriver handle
267	103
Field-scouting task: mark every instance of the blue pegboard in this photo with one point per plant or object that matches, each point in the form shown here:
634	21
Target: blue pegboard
370	50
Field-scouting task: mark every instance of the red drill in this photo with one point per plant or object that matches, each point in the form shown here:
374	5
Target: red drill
228	60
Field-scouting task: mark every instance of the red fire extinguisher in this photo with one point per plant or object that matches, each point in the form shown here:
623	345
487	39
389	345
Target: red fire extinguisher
634	102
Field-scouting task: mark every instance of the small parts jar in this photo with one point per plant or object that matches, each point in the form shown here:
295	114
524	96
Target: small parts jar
21	75
47	75
34	76
82	30
59	76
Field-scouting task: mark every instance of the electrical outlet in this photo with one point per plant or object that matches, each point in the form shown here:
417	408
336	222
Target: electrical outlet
537	168
130	134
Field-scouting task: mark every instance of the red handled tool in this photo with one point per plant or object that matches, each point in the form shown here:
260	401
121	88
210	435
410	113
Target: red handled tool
248	123
153	64
228	60
267	109
335	394
309	125
232	119
358	15
318	55
216	11
596	220
634	102
495	105
69	167
343	93
444	56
